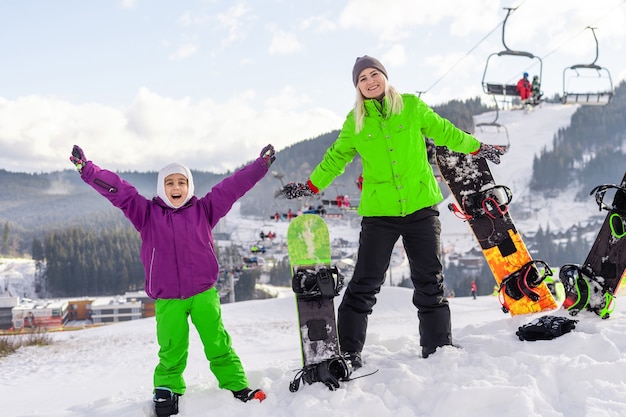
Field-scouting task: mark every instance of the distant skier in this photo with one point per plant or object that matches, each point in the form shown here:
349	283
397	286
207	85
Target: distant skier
399	199
181	267
473	288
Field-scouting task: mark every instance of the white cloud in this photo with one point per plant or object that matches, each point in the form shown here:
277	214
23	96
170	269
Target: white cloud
129	4
38	132
184	51
395	56
396	20
319	24
283	43
234	20
193	19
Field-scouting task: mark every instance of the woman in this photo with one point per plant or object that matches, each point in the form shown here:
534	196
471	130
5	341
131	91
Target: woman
399	199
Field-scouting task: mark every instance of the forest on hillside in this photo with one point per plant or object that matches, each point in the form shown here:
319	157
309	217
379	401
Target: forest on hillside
590	151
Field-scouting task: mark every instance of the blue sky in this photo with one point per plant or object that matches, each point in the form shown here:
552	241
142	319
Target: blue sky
140	83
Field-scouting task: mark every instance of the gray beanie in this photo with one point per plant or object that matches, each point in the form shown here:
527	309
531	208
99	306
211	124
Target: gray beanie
363	62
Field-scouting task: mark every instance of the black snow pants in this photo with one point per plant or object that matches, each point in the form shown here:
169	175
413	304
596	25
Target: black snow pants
420	233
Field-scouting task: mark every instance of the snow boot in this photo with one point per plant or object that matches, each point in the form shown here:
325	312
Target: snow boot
354	359
429	350
247	394
165	402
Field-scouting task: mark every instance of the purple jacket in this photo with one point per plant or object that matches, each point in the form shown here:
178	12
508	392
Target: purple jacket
177	244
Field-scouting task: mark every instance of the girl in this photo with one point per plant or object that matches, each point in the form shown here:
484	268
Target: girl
181	267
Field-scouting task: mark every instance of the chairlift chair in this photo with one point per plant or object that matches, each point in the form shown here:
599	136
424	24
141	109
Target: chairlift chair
503	82
493	132
587	84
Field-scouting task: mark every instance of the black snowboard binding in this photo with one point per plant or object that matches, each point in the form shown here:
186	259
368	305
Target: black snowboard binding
522	282
165	402
311	284
584	290
328	372
617	219
492	202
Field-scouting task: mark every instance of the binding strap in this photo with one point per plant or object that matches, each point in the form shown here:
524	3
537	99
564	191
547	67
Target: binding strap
458	212
328	372
320	283
607	306
617	226
600	191
585	290
492	202
616	222
520	283
576	288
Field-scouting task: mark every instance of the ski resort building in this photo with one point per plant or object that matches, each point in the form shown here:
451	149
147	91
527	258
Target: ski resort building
79	309
147	303
40	313
115	309
6	312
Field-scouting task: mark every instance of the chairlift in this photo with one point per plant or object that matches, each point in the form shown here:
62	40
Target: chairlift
493	132
502	70
587	84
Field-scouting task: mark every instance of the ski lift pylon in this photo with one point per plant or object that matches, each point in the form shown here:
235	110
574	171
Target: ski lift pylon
505	83
587	78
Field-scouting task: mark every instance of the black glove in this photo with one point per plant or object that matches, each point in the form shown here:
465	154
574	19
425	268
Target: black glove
546	328
490	152
267	154
295	190
78	158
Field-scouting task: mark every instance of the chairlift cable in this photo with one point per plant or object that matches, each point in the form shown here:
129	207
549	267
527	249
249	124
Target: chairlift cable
528	68
468	53
420	92
462	58
592	24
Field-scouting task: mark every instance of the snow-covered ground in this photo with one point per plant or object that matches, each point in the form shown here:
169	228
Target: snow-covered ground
107	371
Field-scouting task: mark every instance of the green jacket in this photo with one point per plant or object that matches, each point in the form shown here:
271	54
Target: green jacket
397	178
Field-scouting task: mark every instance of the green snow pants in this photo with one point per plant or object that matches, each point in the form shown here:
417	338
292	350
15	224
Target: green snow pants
173	336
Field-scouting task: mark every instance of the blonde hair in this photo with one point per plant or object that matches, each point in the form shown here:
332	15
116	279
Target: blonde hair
394	103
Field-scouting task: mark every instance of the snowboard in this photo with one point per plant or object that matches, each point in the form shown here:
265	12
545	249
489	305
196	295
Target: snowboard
593	285
484	205
315	283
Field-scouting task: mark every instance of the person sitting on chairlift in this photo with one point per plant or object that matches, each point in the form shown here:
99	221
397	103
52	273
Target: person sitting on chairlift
524	88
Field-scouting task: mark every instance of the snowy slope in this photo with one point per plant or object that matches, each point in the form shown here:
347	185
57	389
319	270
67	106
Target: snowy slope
17	278
107	371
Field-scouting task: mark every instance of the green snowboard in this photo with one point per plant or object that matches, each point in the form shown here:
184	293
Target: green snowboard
308	243
315	283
